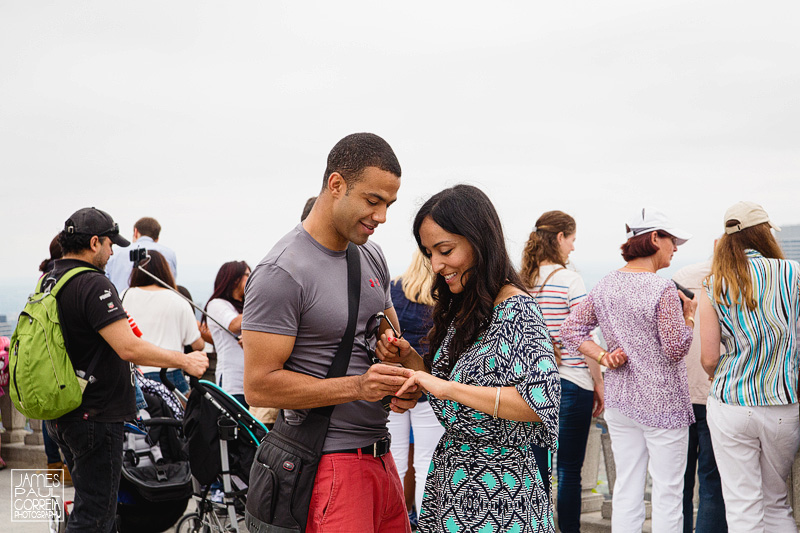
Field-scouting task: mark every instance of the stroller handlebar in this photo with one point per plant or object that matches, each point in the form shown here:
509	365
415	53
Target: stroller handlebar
160	421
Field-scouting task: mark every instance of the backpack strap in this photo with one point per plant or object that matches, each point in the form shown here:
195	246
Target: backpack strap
62	281
67	276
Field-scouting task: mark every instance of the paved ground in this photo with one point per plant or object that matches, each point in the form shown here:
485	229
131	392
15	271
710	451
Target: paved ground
26	456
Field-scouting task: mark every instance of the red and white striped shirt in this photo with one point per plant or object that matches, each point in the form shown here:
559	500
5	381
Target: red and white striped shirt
564	290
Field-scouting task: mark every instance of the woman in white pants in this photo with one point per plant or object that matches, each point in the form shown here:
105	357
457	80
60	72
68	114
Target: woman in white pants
753	307
648	407
411	296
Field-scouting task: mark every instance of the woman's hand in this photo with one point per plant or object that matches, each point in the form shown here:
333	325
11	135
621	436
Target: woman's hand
205	332
436	386
599	398
689	307
614	359
390	349
592	350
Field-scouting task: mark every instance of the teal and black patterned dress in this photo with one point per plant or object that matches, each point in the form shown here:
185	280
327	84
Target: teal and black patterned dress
483	477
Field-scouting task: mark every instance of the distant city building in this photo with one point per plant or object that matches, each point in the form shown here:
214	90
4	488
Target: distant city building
6	327
789	238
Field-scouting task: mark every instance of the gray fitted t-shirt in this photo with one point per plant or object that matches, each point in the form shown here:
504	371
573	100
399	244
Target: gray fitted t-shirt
300	289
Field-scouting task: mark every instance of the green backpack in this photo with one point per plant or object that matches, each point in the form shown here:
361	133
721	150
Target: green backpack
43	383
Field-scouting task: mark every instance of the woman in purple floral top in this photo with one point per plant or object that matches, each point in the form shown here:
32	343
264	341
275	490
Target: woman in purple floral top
648	408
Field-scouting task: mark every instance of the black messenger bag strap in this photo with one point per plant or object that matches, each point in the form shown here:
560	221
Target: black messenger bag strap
285	465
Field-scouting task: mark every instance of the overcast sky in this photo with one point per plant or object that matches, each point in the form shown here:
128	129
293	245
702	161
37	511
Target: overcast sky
216	118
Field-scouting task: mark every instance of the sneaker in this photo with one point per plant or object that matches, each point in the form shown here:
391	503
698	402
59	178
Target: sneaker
217	496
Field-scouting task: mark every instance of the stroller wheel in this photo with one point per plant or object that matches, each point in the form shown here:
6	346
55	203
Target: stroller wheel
191	523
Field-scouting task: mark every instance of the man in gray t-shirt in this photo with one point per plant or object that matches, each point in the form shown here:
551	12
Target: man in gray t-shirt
295	315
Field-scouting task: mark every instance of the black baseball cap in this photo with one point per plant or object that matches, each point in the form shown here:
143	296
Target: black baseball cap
92	221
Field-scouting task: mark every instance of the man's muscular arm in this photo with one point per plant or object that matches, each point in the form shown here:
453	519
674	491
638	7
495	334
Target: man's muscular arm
268	384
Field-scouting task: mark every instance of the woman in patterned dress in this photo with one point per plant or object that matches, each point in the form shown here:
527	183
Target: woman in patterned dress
648	407
490	372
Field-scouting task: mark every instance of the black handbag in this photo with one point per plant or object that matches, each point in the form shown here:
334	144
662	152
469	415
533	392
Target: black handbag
285	465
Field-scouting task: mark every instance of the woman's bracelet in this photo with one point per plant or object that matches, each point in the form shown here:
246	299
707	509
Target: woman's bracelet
496	403
603	353
691	318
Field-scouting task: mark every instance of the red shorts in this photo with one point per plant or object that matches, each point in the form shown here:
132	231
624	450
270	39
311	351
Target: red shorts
357	493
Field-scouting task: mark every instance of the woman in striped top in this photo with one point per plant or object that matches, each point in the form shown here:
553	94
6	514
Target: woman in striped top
753	308
557	290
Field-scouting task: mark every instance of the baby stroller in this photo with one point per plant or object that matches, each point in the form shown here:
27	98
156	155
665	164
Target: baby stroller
222	440
156	483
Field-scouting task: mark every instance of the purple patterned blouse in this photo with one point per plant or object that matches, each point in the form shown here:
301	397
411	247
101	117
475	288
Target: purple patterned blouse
641	313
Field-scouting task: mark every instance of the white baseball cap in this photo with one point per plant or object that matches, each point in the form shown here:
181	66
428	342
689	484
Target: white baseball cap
747	214
649	219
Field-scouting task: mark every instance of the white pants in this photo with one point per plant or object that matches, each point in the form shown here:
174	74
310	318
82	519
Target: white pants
427	432
638	448
754	448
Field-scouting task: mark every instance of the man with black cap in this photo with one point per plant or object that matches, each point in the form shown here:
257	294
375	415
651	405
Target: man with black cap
100	343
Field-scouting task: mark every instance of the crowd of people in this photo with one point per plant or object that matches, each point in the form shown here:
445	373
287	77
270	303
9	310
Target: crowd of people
486	375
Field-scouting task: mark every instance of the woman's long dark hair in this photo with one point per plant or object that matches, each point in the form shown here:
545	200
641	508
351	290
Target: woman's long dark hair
228	278
465	210
158	267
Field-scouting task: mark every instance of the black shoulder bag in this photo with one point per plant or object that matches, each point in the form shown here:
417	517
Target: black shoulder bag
285	465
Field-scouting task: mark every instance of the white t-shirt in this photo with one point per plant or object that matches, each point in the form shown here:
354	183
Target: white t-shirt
564	290
230	356
164	318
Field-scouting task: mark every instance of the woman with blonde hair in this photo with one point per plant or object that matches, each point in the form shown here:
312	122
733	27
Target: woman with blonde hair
558	290
411	296
753	308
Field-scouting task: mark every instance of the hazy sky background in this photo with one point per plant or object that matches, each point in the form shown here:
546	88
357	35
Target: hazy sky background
216	118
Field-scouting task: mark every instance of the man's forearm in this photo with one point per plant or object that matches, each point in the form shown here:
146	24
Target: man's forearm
143	353
284	389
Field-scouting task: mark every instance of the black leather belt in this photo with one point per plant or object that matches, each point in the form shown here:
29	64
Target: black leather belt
377	449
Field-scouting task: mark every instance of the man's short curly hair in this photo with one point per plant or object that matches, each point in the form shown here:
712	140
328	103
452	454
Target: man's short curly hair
356	152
